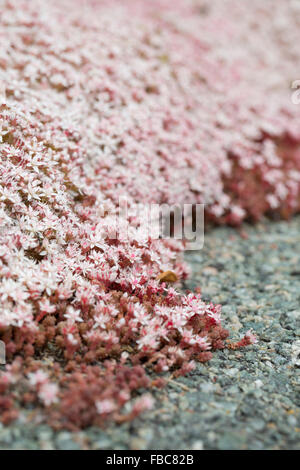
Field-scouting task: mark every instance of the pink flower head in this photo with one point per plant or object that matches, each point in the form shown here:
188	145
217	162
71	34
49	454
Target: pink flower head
48	393
250	336
144	403
38	378
105	406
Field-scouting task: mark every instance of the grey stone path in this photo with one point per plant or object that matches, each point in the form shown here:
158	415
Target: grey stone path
245	399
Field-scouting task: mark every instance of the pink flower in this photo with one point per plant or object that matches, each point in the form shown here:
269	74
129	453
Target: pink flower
38	378
251	337
144	403
46	306
48	393
73	315
105	406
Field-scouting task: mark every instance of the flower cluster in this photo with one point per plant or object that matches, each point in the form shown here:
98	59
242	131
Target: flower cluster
161	101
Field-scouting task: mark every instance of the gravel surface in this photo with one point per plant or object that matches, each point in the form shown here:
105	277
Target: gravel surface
246	399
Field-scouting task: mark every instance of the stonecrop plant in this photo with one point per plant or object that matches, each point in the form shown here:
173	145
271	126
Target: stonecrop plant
168	101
